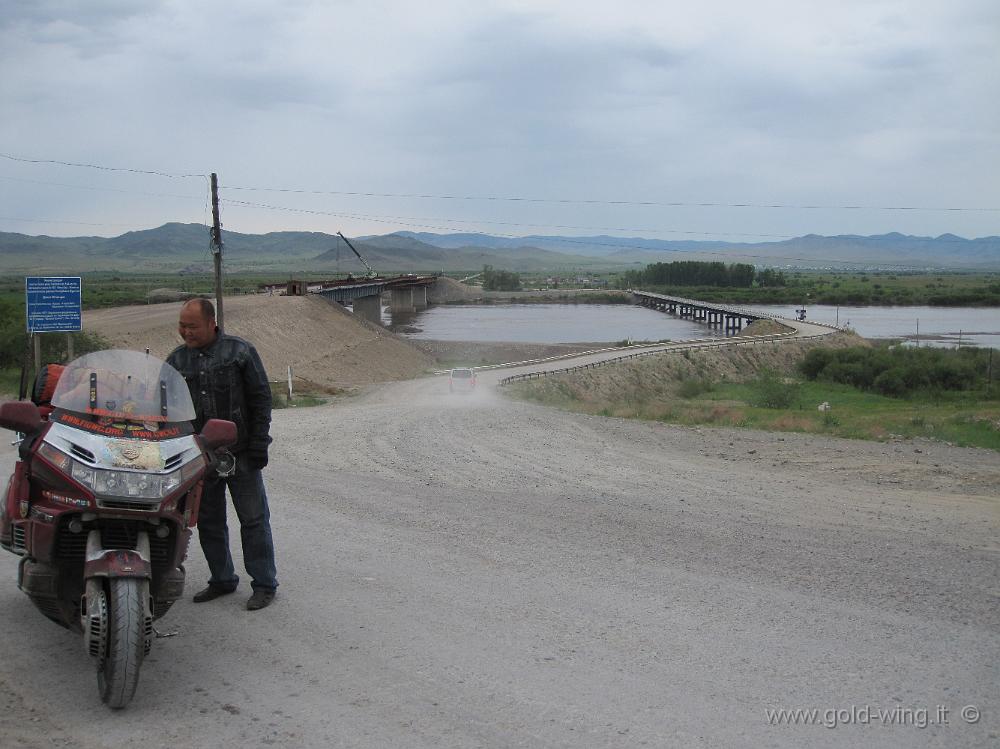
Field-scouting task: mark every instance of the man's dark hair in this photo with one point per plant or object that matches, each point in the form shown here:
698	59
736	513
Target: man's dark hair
204	306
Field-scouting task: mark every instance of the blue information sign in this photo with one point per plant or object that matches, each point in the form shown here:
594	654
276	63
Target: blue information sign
53	304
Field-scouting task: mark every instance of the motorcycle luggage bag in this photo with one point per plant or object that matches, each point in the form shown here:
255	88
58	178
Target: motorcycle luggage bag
45	386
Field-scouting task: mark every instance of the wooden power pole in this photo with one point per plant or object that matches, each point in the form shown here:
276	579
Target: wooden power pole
217	251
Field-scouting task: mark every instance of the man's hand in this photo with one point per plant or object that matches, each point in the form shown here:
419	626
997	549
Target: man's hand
256	459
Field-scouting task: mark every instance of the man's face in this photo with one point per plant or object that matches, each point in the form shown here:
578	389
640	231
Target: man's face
197	330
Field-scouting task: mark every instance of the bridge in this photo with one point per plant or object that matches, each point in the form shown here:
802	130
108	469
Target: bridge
407	293
725	316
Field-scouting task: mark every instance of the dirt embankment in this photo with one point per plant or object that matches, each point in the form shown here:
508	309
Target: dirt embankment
324	344
764	327
654	381
449	291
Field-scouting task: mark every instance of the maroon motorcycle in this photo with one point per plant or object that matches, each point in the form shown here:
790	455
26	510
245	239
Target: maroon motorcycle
102	501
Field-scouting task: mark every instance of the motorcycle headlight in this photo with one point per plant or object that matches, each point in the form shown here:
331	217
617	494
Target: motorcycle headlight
121	484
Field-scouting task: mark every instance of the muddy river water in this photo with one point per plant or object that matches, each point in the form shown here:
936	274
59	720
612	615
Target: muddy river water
573	323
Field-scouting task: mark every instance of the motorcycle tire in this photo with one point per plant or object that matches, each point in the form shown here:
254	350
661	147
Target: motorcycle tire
118	676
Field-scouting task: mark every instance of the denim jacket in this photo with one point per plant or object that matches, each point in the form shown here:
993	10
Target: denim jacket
227	381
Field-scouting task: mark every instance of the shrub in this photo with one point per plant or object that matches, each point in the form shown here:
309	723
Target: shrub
770	391
891	383
693	387
898	371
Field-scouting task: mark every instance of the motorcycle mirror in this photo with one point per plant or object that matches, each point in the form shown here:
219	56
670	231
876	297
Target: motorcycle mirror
218	433
20	416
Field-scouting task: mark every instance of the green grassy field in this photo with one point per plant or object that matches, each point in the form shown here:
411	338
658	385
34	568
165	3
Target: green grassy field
959	418
768	392
857	288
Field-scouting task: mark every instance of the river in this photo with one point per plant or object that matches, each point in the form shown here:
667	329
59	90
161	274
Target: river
584	323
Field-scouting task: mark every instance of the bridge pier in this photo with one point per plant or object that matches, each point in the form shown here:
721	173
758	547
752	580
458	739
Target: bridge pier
419	297
401	300
731	320
408	298
369	308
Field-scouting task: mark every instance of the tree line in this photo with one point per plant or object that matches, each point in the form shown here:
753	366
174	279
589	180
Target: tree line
699	273
500	280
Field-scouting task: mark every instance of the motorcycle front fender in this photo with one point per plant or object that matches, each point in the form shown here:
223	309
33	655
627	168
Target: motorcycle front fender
117	562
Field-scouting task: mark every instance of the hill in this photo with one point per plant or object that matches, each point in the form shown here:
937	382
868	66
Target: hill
893	249
175	247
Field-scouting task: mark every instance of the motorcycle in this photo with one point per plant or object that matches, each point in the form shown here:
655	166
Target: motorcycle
102	500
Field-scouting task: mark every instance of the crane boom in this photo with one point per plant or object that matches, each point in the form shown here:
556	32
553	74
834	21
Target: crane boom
371	271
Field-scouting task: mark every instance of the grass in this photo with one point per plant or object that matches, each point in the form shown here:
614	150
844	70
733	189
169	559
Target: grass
10	381
860	288
965	419
299	399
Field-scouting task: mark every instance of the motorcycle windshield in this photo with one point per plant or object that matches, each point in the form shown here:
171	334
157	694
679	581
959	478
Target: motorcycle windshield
124	385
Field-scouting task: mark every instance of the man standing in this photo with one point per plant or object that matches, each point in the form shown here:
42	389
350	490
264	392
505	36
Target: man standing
227	381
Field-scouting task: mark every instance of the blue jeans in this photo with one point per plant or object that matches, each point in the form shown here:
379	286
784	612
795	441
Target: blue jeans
250	501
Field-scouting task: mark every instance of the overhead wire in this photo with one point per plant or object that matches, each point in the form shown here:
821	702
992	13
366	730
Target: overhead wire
100	167
409	220
592	201
92	188
402	219
735	251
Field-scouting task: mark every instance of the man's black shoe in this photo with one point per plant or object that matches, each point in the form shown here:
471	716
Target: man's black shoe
260	599
210	594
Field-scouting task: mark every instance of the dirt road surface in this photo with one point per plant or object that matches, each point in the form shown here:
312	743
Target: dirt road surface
470	571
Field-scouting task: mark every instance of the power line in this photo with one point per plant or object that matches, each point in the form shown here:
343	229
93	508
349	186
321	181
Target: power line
514	198
589	201
736	251
99	189
100	167
403	219
56	221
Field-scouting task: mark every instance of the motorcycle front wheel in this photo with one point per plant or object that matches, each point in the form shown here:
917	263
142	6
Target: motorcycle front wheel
118	676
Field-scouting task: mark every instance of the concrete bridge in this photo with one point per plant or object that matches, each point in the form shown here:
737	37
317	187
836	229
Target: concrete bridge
406	294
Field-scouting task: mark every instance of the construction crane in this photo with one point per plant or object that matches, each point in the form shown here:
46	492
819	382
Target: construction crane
371	272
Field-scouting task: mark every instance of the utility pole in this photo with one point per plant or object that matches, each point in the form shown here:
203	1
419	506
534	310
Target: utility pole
217	251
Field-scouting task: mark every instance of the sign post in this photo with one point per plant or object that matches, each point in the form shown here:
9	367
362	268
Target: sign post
53	304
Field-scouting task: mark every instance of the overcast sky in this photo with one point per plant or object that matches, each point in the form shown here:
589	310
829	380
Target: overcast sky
603	113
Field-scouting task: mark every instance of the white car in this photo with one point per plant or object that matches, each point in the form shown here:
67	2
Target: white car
462	380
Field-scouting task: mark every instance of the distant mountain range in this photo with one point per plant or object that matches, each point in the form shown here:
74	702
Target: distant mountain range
185	247
812	250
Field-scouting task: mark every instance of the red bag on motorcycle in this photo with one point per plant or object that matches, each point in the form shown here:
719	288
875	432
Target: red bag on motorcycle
45	386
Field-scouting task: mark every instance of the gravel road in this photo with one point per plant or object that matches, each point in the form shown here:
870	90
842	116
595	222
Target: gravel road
469	571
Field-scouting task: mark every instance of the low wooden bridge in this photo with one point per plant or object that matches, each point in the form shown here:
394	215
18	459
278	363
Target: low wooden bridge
727	317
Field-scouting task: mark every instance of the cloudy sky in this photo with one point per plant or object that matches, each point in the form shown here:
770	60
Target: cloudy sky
670	120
